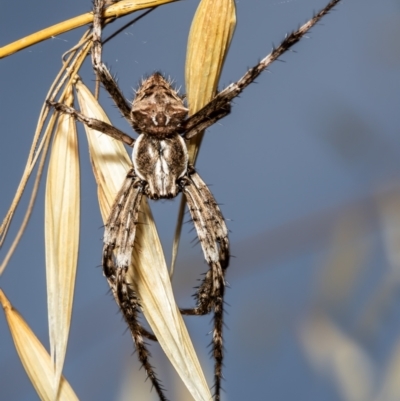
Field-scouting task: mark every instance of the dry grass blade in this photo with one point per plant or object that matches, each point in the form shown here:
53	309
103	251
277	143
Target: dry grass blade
345	263
40	145
389	208
148	273
209	40
390	390
62	213
42	149
330	349
109	158
386	290
34	357
114	11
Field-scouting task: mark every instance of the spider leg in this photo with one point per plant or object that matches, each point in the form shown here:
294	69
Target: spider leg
93	123
119	236
120	228
204	119
222	99
100	68
213	235
216	218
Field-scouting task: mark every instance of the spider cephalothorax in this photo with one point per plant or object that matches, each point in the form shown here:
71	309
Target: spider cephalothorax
157	108
161	170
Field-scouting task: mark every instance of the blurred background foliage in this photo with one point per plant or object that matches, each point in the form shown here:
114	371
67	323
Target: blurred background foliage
307	166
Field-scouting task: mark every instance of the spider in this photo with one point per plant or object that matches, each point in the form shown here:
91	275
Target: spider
161	171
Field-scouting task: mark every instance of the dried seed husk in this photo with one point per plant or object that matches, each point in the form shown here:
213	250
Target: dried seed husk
62	213
40	143
209	40
330	348
148	273
34	357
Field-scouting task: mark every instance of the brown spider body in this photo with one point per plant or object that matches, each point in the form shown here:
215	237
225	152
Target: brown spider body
159	156
160	170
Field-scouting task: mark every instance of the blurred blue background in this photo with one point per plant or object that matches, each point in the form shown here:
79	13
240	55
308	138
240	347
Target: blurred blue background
307	169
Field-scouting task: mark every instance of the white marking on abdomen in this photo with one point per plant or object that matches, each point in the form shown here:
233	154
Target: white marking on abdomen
162	169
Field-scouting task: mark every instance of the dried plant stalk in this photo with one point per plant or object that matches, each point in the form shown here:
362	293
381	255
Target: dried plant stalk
114	11
148	273
390	390
330	348
34	357
40	144
62	213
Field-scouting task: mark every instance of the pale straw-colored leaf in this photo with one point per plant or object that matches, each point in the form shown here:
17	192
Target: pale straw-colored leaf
148	273
34	357
114	11
62	210
390	390
389	208
110	161
40	145
333	352
385	292
209	40
345	261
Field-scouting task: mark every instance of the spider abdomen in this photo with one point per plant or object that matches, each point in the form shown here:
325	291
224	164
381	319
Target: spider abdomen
160	163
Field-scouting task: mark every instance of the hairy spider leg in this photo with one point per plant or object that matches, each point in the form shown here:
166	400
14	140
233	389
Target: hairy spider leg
214	110
100	68
126	206
119	240
213	235
93	123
